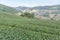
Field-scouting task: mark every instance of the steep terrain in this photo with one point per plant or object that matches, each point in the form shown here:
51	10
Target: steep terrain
14	27
8	9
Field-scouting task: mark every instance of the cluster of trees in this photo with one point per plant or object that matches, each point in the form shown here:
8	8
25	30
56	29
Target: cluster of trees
31	15
27	14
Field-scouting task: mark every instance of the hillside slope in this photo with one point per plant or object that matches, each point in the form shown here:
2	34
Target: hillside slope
20	28
8	9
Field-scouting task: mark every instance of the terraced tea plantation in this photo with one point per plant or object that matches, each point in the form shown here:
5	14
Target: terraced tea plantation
20	28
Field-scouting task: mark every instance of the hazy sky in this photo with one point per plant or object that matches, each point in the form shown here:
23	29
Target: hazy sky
29	3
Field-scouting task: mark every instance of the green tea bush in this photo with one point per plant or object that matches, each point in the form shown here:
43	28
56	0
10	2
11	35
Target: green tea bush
21	28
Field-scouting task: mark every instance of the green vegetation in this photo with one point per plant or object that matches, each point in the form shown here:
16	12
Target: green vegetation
21	28
7	9
14	27
27	14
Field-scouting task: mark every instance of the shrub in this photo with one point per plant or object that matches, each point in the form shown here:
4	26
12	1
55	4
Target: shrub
27	14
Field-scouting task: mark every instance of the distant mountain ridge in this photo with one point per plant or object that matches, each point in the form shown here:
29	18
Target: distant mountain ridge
39	11
40	7
44	12
23	8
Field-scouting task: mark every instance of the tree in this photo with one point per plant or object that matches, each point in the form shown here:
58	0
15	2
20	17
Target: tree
27	14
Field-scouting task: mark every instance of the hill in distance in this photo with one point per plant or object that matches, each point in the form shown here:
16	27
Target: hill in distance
43	11
23	8
14	27
53	7
8	9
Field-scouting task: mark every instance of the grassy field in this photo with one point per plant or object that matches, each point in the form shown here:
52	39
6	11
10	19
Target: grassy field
21	28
